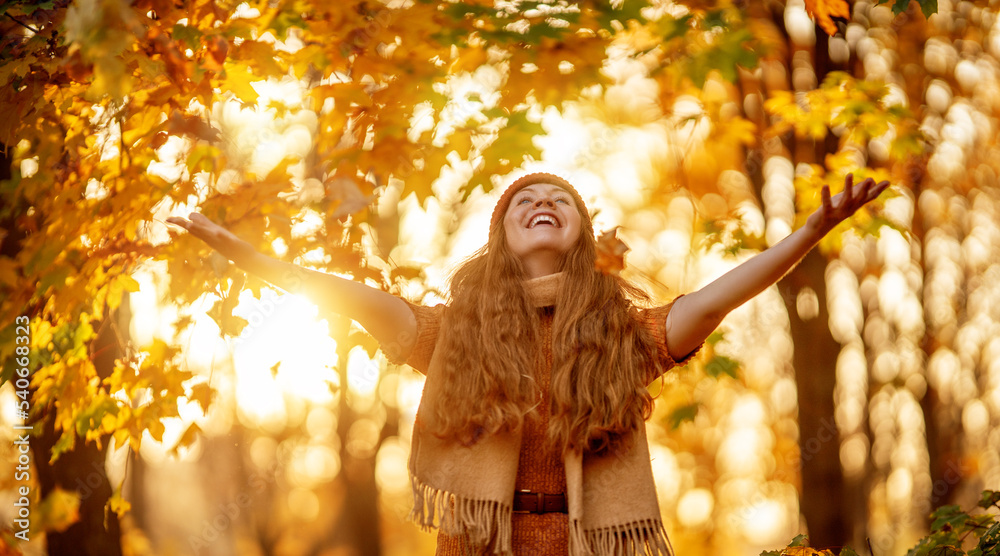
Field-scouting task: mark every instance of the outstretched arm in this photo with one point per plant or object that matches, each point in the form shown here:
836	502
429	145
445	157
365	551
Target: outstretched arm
384	316
694	316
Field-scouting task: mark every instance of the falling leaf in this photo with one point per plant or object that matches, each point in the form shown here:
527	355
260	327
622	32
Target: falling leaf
610	253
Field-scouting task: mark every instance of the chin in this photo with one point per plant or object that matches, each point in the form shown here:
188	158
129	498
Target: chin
560	247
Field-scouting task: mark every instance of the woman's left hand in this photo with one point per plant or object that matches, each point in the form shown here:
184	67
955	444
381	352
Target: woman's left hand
842	205
694	316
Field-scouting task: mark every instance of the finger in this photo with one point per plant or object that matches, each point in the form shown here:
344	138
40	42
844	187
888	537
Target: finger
825	192
879	188
866	186
198	217
848	190
176	221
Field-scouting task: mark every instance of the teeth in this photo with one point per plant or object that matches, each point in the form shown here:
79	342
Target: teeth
542	218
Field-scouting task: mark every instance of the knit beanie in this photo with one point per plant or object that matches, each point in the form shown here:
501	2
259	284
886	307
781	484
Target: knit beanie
538	177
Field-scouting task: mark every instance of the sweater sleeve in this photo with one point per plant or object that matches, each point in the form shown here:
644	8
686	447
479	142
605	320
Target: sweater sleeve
418	356
655	321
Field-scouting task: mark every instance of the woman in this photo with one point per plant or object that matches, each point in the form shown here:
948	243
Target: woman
529	438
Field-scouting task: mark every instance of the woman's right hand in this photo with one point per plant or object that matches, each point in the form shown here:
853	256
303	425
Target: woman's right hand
217	237
384	316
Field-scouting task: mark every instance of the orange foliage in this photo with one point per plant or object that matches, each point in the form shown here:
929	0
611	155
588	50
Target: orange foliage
823	11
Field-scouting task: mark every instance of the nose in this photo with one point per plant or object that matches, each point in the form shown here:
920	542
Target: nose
545	201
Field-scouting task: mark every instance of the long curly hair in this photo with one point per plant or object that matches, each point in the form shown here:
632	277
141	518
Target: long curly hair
602	357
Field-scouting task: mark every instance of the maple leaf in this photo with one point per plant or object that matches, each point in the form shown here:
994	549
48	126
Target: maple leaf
681	414
344	196
804	551
188	438
202	394
185	124
610	253
928	7
218	50
118	504
823	11
720	365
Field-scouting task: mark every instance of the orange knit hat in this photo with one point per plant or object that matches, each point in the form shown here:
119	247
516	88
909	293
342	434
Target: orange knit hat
538	177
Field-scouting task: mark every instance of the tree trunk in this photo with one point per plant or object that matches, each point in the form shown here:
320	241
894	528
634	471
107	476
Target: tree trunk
823	501
358	524
815	360
82	469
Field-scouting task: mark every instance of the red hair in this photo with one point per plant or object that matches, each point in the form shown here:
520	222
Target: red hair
602	356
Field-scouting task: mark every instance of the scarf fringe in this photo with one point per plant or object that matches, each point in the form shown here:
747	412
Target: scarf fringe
485	523
641	538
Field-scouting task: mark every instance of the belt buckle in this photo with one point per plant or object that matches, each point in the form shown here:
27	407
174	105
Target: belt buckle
538	507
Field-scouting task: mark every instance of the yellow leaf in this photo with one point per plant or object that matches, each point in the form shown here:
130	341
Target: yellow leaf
128	283
344	94
59	510
118	504
201	393
108	422
110	78
121	436
134	442
738	130
260	54
309	58
840	161
469	60
239	80
188	438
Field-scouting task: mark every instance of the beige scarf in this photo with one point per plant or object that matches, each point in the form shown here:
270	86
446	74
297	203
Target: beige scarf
469	490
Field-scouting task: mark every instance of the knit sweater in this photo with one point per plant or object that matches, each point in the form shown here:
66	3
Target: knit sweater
627	521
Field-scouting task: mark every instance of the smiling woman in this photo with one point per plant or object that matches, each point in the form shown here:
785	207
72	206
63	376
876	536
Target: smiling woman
530	435
542	222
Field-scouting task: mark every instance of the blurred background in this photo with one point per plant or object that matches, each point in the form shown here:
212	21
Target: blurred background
183	408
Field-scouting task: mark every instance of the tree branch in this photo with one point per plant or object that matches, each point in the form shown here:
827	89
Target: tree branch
23	24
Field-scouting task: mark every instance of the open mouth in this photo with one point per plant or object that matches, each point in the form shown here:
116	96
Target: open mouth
543	220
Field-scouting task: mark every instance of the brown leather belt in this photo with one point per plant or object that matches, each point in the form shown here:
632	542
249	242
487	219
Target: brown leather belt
539	502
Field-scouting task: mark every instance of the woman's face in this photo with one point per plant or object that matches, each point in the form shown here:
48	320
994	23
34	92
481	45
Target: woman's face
542	223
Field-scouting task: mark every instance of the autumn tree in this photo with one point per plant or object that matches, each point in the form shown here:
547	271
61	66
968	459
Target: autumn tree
122	113
97	90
